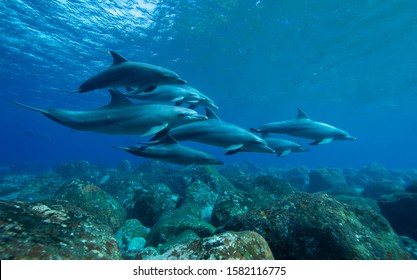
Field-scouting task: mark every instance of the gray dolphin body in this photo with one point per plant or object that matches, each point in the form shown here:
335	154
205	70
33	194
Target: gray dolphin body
175	93
169	150
221	134
121	116
283	147
304	127
124	73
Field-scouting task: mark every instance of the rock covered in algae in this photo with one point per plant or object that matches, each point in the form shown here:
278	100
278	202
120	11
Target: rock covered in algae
151	202
230	204
324	178
315	226
53	230
244	245
173	223
200	195
93	199
128	235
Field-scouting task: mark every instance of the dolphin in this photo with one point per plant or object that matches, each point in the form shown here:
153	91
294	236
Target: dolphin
169	150
282	147
123	73
304	127
219	133
175	93
122	116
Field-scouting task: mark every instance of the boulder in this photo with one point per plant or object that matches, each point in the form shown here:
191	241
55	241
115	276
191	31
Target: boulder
94	200
245	245
315	226
53	230
400	210
324	178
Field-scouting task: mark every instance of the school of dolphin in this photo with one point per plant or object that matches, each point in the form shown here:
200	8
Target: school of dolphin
170	123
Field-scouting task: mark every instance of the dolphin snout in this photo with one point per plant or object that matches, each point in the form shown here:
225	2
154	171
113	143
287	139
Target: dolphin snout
180	81
351	138
268	149
199	118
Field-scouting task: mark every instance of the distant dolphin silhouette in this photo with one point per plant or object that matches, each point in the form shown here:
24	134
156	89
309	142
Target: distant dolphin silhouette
122	116
222	134
169	150
123	73
282	147
304	127
175	93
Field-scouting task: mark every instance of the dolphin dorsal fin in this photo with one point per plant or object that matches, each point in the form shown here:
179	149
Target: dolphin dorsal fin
117	98
302	115
117	58
168	139
211	115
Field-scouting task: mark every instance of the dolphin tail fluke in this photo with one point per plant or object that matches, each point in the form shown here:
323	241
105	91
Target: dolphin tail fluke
30	107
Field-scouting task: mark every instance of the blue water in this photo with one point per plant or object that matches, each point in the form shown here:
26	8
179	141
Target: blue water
352	64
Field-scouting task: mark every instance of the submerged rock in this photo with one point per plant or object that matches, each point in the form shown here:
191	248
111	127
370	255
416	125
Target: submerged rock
42	187
230	204
173	223
149	204
411	246
400	210
131	237
79	169
375	189
324	178
245	245
267	189
94	200
315	226
53	230
200	195
235	175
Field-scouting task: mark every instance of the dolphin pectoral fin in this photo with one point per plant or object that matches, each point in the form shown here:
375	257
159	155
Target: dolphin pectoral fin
234	147
160	134
322	141
154	130
232	152
211	115
284	153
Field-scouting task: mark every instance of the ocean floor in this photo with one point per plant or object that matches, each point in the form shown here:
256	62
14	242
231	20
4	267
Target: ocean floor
156	211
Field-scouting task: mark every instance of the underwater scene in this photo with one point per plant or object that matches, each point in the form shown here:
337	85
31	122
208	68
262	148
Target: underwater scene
208	130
